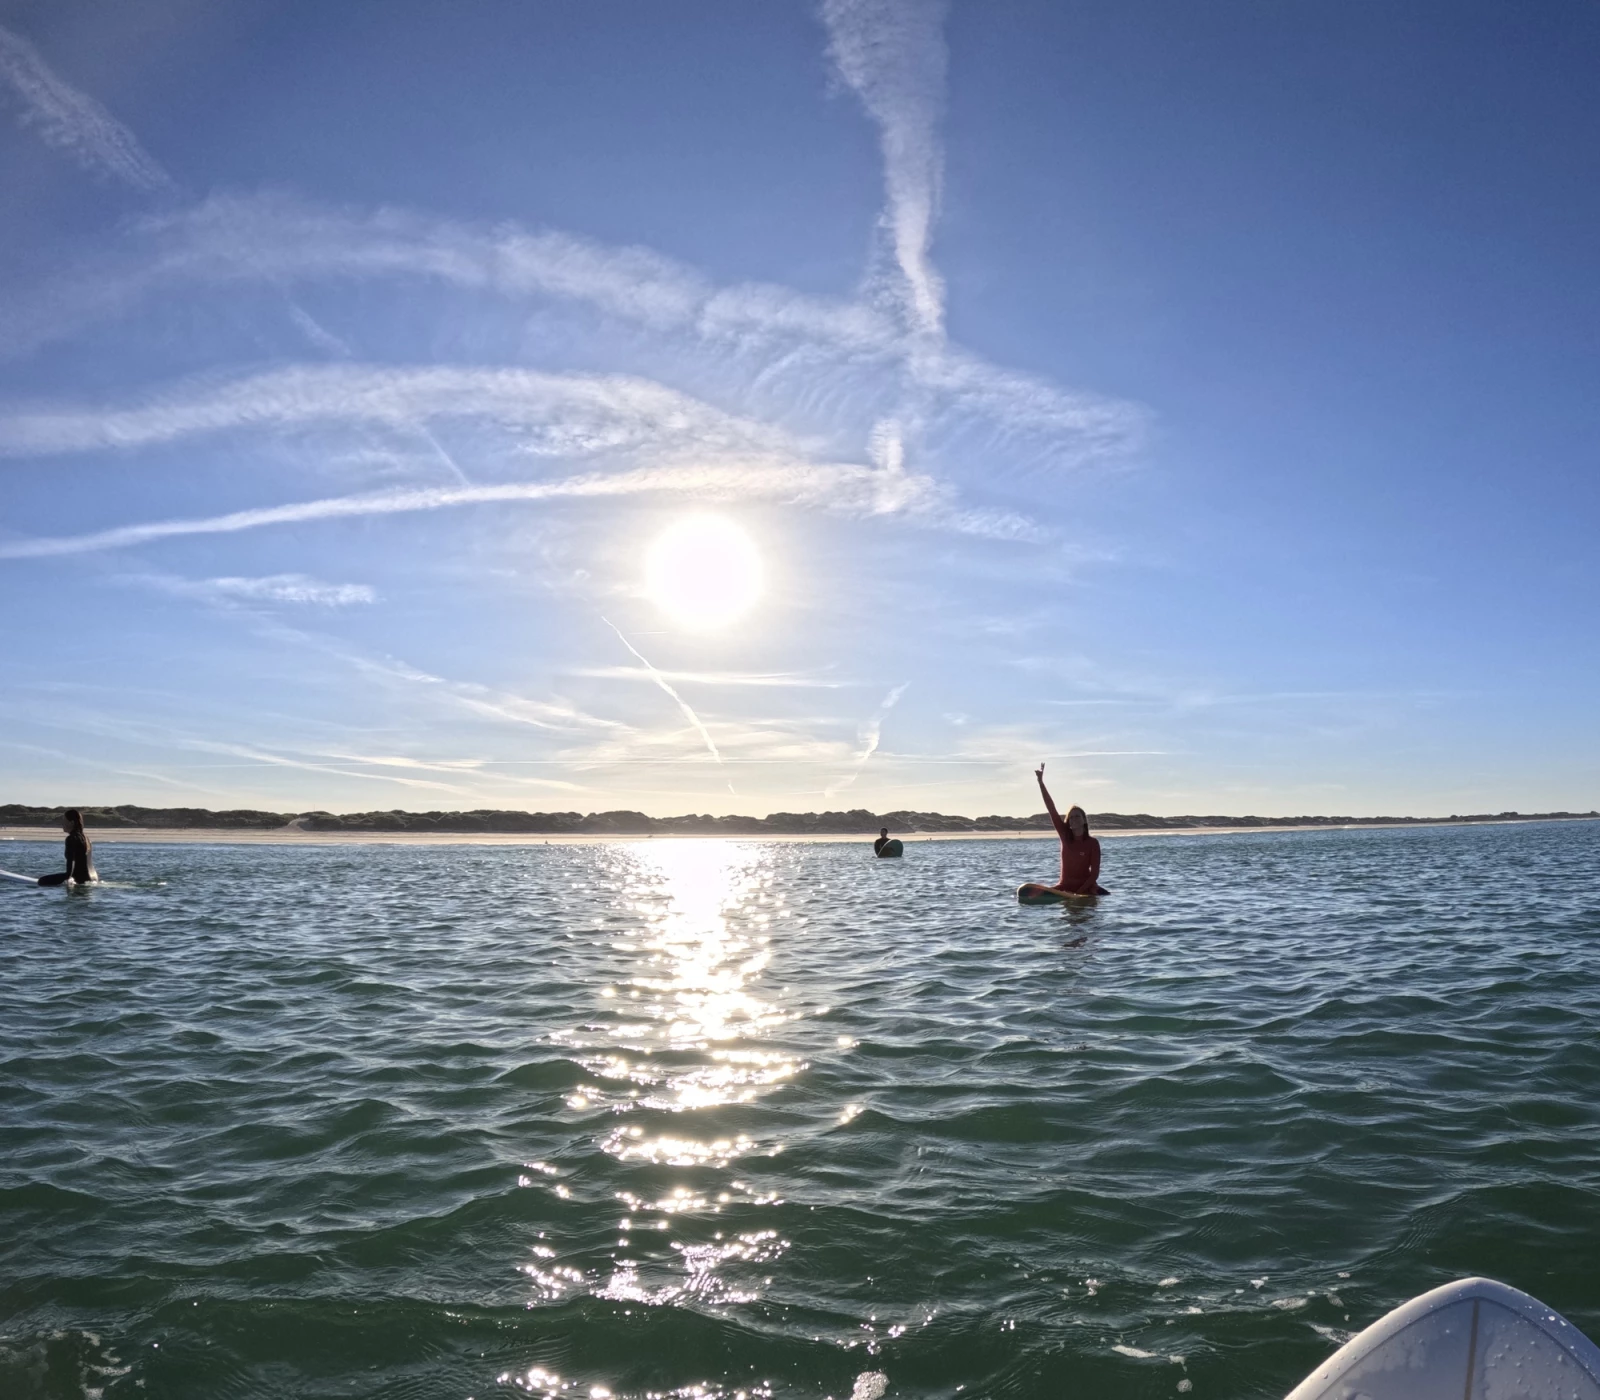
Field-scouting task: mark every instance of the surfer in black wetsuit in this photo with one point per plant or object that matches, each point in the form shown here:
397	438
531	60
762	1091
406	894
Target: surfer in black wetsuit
80	853
881	842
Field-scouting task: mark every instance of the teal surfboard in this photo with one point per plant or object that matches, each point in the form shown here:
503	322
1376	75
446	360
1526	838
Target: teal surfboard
1043	894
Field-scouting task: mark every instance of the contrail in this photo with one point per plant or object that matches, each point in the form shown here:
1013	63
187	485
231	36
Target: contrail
839	488
445	457
74	122
892	53
677	699
870	733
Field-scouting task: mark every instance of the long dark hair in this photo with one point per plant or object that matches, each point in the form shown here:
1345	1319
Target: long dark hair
73	815
1084	815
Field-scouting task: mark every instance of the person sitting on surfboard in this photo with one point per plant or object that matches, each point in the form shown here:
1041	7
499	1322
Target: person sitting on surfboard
80	853
1080	853
881	842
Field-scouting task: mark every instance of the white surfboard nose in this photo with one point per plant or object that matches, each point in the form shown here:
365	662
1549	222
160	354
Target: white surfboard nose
1470	1340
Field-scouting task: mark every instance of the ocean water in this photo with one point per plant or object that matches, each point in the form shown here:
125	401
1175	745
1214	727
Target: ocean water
743	1119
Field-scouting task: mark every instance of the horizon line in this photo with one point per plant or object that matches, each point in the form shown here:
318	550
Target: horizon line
11	812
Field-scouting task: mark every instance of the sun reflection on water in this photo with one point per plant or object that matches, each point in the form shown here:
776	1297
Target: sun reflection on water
704	968
686	1028
702	949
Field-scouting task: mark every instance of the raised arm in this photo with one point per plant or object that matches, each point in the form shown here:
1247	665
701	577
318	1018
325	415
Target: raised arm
1049	806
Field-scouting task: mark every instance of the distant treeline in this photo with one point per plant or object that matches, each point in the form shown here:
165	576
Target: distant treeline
857	822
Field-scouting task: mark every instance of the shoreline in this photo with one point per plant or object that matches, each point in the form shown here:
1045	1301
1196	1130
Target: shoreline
292	836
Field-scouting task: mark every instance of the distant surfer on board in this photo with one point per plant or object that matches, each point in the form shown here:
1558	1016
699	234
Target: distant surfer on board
1080	856
80	853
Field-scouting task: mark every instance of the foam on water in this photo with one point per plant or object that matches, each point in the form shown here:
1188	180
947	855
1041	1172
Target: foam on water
734	1119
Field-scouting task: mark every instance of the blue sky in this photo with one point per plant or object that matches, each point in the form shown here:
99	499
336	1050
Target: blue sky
1200	398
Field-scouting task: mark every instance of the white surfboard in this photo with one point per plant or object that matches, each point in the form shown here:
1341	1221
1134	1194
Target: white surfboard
1471	1340
26	879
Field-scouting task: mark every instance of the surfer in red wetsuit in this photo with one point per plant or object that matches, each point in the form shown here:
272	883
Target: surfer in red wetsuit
1080	854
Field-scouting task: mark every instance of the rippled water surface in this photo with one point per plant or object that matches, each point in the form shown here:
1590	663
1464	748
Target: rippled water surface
680	1118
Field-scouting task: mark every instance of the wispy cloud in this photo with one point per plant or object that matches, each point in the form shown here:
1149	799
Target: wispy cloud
445	765
475	768
483	700
814	743
848	359
100	769
892	53
318	334
273	588
870	734
678	700
845	489
787	680
295	588
127	730
73	122
555	715
565	415
257	754
169	726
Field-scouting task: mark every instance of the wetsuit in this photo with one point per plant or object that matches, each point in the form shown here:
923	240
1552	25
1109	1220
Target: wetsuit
1080	865
879	844
80	869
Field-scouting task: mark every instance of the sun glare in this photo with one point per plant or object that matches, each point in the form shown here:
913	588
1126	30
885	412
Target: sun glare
704	572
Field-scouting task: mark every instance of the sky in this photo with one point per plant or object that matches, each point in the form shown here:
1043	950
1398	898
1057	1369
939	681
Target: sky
733	407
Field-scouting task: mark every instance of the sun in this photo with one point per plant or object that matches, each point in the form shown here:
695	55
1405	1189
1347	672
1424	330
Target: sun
704	572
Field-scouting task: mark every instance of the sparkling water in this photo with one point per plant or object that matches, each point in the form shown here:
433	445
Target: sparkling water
722	1119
